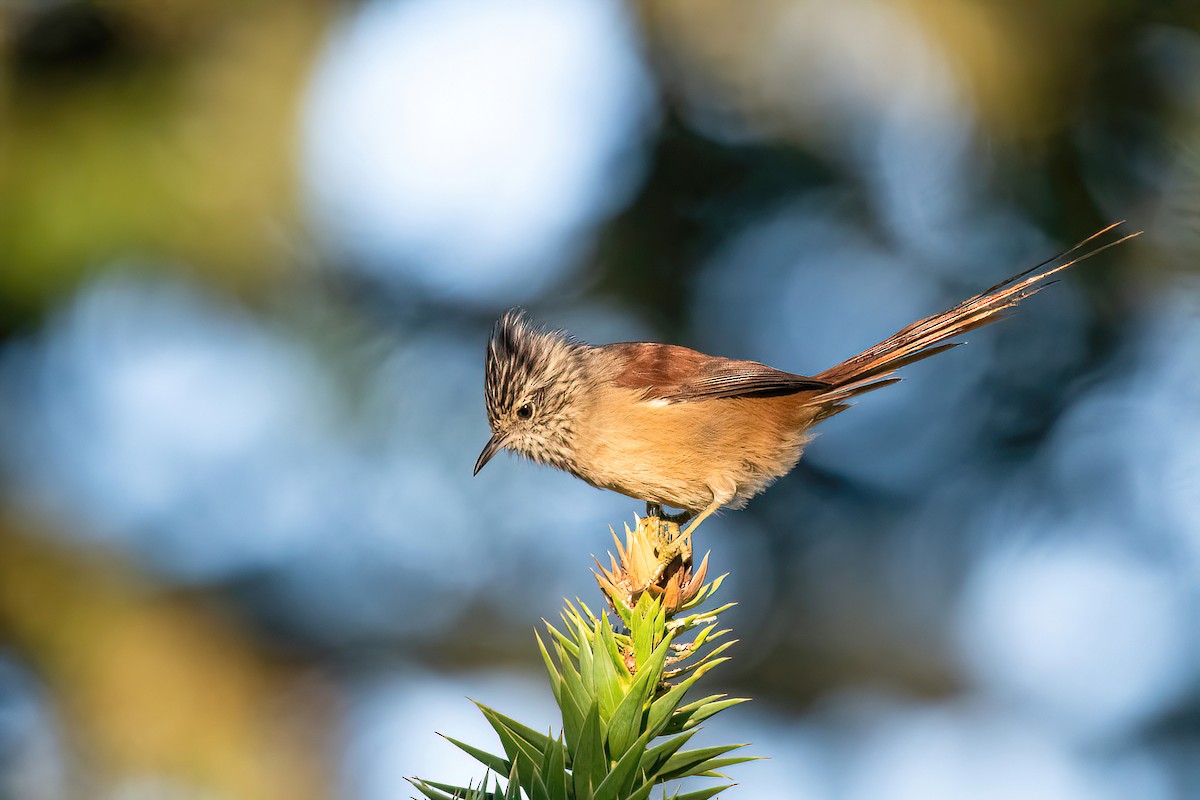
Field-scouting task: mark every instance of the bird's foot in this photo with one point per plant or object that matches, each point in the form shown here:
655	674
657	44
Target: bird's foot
656	510
673	549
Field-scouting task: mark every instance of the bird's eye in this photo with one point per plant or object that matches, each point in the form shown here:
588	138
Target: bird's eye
525	411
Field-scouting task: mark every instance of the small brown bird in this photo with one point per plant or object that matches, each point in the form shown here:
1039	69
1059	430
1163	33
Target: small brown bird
671	426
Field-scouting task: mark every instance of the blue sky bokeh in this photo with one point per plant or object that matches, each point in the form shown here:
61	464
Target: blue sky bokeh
248	263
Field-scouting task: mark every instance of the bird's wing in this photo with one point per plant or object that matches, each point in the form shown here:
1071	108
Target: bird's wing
678	374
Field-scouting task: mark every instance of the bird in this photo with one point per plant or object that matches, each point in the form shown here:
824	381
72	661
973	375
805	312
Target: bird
674	427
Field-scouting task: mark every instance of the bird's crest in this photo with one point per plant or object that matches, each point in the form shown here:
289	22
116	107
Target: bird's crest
522	358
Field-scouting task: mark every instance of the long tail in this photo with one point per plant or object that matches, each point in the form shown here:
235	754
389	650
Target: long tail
873	367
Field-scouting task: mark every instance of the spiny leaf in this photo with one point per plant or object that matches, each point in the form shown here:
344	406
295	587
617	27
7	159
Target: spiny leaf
696	705
539	741
655	759
568	644
621	777
575	619
685	720
694	762
492	762
681	624
514	786
708	657
708	635
625	613
607	676
642	792
523	756
710	767
641	632
586	663
537	789
432	793
702	669
704	794
588	765
612	646
445	791
626	721
575	700
555	772
659	620
662	708
590	618
555	676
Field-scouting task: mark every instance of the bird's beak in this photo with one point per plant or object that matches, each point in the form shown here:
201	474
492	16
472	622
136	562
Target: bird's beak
494	445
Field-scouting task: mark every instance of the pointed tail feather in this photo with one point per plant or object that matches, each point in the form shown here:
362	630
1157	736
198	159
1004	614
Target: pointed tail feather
872	368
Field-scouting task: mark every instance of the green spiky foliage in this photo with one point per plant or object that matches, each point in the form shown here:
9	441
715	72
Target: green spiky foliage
625	722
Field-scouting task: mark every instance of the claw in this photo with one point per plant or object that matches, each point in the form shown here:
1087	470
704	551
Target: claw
674	544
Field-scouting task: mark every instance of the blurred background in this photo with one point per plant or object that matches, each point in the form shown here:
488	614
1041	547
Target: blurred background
249	256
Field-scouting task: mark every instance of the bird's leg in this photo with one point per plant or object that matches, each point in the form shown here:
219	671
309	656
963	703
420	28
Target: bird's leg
671	545
703	515
679	545
656	510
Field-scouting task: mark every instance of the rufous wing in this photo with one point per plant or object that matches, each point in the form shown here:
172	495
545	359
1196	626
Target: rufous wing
678	374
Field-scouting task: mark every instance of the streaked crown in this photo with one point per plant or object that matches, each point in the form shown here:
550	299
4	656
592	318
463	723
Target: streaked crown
521	360
531	375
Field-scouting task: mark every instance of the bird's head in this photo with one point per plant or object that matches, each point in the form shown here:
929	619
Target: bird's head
531	378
